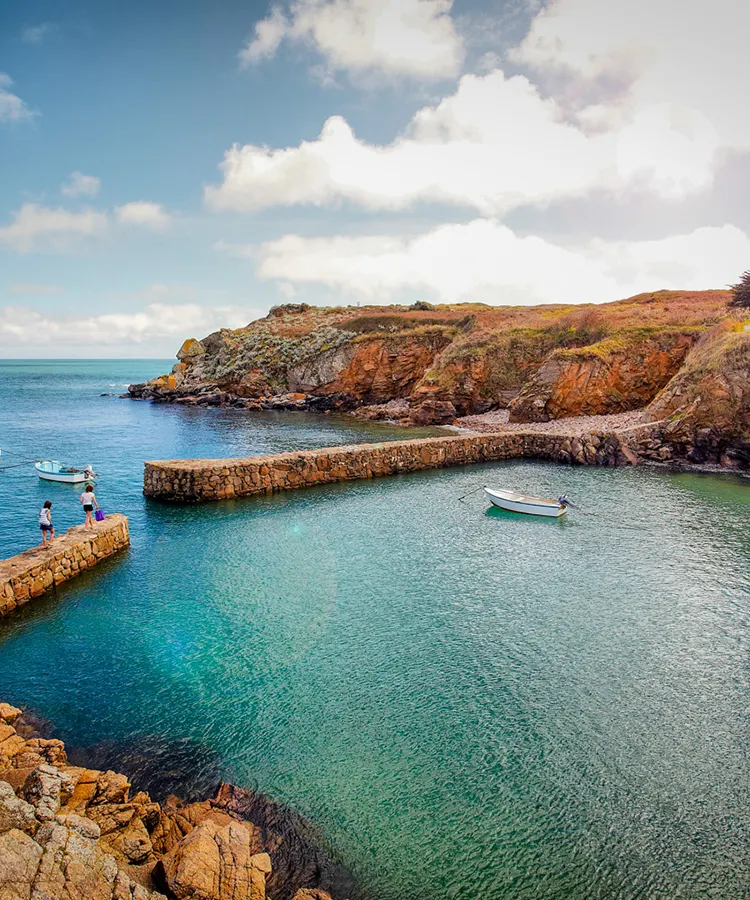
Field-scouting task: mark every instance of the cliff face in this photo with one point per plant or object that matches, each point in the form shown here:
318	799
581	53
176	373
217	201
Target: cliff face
375	370
428	364
612	376
707	403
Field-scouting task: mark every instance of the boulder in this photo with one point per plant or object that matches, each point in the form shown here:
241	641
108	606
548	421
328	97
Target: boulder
191	350
9	714
433	412
14	813
215	862
72	865
47	789
20	857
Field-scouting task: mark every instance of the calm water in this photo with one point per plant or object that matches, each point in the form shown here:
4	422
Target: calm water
472	704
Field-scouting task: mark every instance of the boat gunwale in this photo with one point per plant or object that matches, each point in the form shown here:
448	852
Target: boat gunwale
522	499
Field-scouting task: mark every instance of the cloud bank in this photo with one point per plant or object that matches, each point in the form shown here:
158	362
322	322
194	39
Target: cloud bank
157	328
485	261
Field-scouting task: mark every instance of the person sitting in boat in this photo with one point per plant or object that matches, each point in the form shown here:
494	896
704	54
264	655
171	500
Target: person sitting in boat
45	522
88	471
89	503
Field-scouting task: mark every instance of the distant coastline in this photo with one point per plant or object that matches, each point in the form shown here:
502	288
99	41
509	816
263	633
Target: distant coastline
677	357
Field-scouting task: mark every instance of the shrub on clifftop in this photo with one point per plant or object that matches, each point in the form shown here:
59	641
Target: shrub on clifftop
741	292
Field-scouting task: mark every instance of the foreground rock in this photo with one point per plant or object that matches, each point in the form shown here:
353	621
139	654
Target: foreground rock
70	833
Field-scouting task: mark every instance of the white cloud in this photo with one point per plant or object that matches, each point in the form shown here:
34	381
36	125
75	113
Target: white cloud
143	212
414	38
269	33
40	227
485	261
12	107
607	102
493	145
35	34
157	326
79	184
32	288
637	54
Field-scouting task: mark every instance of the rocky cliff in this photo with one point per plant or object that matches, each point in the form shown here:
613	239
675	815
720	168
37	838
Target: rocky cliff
707	403
73	833
427	364
614	375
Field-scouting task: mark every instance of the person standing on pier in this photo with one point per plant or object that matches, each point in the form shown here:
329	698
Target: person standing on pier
45	522
88	500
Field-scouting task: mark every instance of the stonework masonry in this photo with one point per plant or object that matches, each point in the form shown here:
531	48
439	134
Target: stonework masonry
198	480
33	573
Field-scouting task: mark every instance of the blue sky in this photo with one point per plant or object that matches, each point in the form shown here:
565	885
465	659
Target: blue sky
384	150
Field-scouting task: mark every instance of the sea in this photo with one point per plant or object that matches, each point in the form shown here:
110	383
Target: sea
469	704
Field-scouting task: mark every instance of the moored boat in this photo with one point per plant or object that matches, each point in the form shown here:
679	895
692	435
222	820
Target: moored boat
53	470
523	503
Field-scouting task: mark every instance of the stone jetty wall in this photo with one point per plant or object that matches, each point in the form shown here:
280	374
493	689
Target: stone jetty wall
41	569
197	480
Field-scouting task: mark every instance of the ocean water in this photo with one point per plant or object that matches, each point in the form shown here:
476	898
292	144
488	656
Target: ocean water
470	704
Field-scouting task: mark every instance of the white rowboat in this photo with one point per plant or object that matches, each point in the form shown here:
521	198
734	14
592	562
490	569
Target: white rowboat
522	503
52	470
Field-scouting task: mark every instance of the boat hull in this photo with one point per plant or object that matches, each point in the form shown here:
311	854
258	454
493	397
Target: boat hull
52	471
529	507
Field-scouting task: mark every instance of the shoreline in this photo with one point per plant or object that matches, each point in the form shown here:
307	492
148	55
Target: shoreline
495	422
105	837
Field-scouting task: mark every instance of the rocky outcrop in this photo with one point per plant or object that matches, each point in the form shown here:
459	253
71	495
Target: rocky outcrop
71	833
383	369
616	375
485	369
707	404
547	361
217	862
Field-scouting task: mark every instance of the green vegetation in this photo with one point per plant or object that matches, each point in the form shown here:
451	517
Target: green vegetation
624	339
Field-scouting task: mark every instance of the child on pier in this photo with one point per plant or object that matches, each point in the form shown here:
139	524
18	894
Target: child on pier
89	502
45	522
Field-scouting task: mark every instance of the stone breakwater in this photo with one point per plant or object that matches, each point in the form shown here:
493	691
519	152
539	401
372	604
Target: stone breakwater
72	833
41	569
198	480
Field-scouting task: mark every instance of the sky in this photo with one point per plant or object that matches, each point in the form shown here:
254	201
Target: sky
169	167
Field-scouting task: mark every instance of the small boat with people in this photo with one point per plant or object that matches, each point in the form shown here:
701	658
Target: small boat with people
524	503
54	470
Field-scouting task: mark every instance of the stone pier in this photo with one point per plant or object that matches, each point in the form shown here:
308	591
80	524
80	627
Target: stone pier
41	569
197	480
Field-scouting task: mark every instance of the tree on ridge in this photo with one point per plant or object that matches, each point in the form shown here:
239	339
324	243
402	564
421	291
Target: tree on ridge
741	291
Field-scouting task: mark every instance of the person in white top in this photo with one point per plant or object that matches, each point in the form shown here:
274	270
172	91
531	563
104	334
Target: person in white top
45	522
89	503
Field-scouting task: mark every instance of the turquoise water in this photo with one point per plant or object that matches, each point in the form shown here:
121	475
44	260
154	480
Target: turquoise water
472	704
